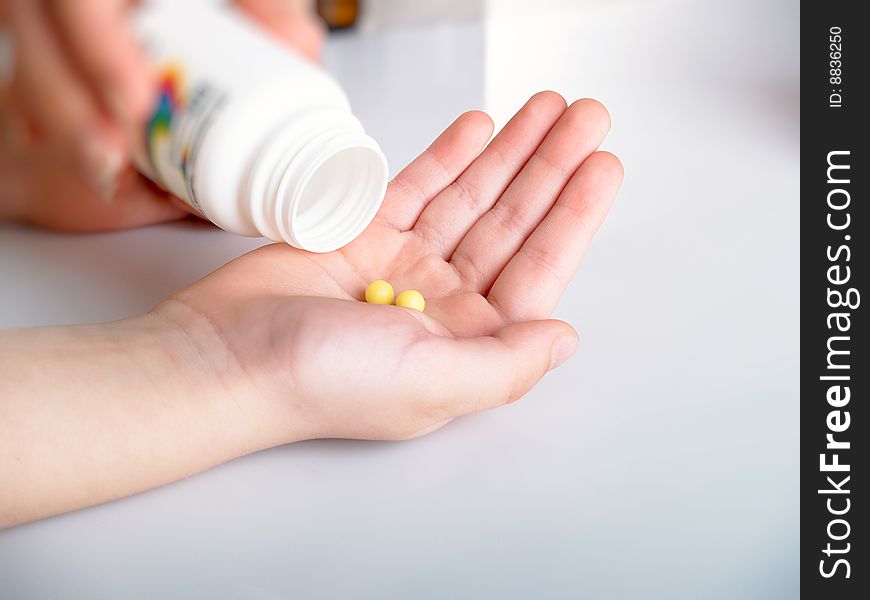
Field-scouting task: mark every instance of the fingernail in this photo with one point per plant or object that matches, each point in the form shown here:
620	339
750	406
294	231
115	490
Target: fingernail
102	165
562	349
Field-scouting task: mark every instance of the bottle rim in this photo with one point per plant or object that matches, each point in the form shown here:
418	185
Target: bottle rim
318	182
336	194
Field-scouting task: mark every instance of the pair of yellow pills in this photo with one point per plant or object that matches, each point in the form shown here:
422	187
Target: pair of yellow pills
381	292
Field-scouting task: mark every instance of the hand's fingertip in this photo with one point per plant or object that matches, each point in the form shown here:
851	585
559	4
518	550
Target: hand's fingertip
535	332
538	347
479	120
611	164
592	109
602	173
562	349
546	343
555	100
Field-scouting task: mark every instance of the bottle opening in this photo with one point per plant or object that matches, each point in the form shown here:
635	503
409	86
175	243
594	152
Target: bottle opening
339	199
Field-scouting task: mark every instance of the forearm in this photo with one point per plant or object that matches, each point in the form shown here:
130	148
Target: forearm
92	413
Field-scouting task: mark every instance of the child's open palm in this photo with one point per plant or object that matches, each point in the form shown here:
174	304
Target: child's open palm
490	238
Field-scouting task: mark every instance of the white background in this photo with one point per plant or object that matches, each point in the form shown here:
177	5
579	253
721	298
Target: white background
660	462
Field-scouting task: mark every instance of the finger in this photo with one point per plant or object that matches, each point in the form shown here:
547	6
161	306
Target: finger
452	213
480	373
552	254
293	22
43	187
137	203
55	99
438	166
105	53
500	232
53	198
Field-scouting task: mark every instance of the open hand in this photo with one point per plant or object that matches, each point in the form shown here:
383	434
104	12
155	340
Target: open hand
490	238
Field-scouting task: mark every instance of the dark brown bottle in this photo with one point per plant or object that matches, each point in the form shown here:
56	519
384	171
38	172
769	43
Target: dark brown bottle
338	14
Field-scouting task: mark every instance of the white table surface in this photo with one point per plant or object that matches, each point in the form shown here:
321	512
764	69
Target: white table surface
660	462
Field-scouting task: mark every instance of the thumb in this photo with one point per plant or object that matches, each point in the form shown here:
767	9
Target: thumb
483	372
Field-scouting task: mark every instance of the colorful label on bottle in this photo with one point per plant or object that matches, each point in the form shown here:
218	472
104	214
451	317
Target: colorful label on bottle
177	128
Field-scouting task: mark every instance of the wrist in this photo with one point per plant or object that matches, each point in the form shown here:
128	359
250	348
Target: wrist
159	355
206	369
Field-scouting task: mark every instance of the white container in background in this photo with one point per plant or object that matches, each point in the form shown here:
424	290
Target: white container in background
252	136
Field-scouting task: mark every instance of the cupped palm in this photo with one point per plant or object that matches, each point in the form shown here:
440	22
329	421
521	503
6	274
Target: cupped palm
490	238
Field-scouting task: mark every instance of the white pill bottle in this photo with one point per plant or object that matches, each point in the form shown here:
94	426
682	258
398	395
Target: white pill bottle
255	138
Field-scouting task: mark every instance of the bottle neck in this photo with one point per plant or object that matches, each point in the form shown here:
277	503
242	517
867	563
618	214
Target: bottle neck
317	182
